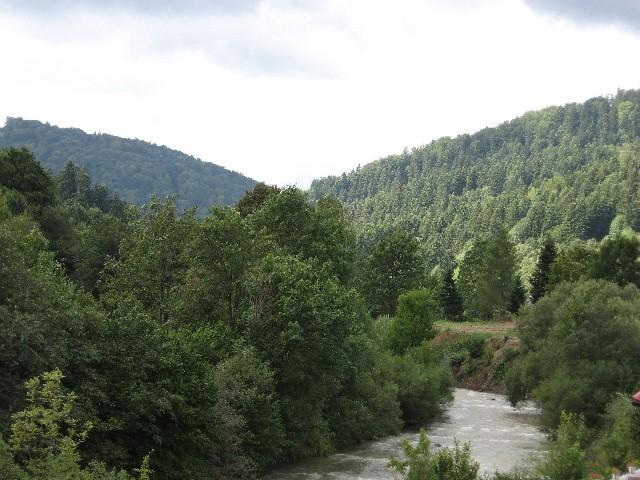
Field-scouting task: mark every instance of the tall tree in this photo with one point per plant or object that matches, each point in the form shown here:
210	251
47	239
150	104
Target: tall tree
450	299
220	257
394	267
253	199
152	259
540	278
518	296
487	275
300	322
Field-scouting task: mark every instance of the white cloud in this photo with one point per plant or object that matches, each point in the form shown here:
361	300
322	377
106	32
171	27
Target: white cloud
286	92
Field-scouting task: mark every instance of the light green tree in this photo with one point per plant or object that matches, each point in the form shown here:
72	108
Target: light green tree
413	322
487	276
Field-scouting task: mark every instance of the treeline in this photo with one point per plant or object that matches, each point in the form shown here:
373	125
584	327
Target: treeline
569	172
154	342
134	169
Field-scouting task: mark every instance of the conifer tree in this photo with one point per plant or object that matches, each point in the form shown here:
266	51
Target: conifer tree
518	296
540	278
450	299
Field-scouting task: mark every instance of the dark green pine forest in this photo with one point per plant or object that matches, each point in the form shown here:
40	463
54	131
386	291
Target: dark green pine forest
142	338
133	169
571	173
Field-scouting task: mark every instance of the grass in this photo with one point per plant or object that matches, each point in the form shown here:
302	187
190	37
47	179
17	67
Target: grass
496	327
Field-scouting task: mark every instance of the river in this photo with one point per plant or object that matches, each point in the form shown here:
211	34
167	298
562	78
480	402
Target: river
501	438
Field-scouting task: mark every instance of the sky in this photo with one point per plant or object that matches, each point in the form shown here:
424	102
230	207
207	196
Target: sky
285	91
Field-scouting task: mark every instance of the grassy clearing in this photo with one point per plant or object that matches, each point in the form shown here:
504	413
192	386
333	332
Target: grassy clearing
504	327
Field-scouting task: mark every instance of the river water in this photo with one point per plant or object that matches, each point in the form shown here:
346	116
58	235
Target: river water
501	438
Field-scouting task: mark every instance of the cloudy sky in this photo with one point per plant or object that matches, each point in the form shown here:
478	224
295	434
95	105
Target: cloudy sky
286	91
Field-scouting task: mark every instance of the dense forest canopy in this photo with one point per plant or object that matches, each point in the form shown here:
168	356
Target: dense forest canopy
134	169
220	346
571	172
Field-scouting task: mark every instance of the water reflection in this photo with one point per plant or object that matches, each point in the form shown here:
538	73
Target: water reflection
501	438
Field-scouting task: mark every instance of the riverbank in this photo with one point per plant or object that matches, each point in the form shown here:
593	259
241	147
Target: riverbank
479	354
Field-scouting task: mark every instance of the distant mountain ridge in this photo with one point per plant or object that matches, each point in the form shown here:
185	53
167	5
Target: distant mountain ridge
135	169
571	172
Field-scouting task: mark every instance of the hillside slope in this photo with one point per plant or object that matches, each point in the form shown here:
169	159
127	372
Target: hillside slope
572	172
134	169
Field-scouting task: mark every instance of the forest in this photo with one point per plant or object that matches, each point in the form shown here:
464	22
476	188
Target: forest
569	172
155	342
148	342
134	169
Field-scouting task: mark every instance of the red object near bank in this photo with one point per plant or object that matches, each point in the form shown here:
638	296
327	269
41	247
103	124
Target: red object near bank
636	399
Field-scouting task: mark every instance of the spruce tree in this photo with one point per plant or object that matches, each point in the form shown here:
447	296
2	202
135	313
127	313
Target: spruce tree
518	296
450	299
540	278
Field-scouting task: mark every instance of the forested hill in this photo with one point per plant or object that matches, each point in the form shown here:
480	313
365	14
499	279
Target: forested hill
571	172
135	169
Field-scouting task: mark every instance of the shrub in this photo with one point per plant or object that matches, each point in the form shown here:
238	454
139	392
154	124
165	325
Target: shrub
445	464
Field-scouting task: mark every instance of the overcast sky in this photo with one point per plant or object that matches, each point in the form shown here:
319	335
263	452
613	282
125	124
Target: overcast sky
285	91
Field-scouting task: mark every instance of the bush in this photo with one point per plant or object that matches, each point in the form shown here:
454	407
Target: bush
445	464
579	347
620	441
464	348
566	458
424	384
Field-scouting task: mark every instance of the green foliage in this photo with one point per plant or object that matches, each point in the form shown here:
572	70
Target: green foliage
367	406
413	321
19	171
518	296
618	262
445	464
392	268
300	320
46	429
573	262
45	438
487	276
620	439
540	278
152	261
464	348
450	299
424	384
45	322
246	386
99	241
322	231
567	455
74	185
224	345
562	171
136	170
579	347
518	474
255	198
223	250
8	468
